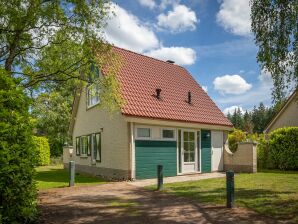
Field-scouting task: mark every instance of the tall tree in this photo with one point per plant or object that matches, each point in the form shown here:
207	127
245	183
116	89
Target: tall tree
275	25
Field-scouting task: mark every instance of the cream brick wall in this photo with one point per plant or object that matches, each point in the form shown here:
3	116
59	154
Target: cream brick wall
115	135
243	160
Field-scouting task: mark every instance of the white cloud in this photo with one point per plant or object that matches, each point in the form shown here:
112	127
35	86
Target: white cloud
164	3
180	19
234	16
126	30
205	88
232	109
148	3
180	55
231	84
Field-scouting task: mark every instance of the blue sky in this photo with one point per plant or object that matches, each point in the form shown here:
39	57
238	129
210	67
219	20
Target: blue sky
210	38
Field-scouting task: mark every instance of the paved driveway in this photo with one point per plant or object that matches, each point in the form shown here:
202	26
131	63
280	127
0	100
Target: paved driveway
125	203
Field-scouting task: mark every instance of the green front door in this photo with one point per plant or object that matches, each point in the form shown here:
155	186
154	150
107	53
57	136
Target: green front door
206	150
149	154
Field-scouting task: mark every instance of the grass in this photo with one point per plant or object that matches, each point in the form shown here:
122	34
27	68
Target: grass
270	193
55	176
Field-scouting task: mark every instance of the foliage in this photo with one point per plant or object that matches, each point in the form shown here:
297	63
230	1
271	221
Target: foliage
256	120
234	138
262	153
17	155
42	148
55	176
270	193
52	112
283	145
274	24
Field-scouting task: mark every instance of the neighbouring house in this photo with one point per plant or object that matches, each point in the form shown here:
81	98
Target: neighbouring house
167	119
287	115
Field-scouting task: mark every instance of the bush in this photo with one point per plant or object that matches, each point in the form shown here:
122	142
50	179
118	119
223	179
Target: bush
234	138
283	148
43	149
262	153
17	155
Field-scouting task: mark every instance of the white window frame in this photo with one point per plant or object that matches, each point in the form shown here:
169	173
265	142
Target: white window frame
82	145
168	129
95	95
143	127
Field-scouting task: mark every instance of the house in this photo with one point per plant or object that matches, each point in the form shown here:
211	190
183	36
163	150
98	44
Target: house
287	115
167	119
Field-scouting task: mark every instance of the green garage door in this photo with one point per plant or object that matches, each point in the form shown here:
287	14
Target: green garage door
206	150
149	154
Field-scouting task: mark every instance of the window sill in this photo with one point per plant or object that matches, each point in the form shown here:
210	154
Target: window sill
84	157
90	107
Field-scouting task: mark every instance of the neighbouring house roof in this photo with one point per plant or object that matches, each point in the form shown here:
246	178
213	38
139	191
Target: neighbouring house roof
281	111
141	75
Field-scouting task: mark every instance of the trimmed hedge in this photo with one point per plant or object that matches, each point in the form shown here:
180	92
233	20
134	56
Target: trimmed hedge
283	148
43	149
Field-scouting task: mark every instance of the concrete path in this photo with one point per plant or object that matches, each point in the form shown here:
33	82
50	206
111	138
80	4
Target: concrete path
124	203
182	178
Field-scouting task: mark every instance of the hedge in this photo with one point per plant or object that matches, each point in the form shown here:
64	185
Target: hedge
280	150
17	155
43	149
283	148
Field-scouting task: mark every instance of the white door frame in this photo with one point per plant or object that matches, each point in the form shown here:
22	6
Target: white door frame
182	150
221	164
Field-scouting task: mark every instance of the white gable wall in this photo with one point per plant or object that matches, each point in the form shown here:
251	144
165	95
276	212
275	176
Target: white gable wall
114	139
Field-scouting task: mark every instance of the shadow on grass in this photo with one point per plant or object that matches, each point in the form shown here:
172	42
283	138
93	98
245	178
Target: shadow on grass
266	202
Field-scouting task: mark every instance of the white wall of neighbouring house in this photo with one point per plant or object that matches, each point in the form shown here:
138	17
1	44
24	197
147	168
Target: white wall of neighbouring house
115	136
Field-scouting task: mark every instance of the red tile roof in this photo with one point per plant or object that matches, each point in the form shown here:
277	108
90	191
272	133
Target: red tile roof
139	78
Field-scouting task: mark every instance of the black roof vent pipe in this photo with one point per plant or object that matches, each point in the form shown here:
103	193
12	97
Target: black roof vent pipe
170	61
158	93
189	97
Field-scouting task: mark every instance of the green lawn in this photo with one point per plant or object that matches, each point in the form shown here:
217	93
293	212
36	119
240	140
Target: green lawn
274	194
55	176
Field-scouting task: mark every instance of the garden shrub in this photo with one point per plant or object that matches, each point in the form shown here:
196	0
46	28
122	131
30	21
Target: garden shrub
234	138
17	155
262	152
283	148
43	149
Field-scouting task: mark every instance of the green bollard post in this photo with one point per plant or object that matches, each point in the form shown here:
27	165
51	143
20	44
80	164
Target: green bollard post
159	177
230	189
71	173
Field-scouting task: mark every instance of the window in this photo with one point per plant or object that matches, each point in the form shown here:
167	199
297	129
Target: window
84	145
143	133
97	147
92	95
168	133
78	146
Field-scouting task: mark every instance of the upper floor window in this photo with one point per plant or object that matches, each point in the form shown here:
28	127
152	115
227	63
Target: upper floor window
93	95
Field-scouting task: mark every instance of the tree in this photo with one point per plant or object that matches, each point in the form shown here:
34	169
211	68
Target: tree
247	123
44	45
50	40
52	112
17	155
274	24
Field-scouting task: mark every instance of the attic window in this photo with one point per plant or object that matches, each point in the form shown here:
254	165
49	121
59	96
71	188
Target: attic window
93	95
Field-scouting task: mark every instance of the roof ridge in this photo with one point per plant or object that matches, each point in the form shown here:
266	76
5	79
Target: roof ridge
121	48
